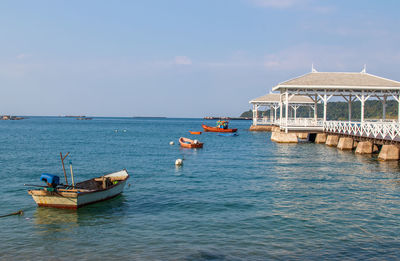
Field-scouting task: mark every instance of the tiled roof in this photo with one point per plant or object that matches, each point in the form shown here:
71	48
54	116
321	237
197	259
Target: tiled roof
274	98
340	80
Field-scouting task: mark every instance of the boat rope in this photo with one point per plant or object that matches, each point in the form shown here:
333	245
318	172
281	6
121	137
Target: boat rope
20	213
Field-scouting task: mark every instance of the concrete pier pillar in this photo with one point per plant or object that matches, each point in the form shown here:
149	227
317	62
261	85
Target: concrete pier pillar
389	152
365	147
282	137
276	128
302	135
345	143
274	136
261	128
321	138
332	140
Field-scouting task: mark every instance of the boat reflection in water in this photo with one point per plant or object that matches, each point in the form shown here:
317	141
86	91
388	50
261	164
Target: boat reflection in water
50	220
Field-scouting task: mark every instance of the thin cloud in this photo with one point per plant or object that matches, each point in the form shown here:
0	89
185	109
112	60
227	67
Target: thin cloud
336	58
182	60
278	3
176	61
308	5
22	56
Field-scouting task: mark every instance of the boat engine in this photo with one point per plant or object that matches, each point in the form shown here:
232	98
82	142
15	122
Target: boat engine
50	179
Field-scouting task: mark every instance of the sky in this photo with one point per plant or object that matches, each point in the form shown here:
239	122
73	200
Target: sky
181	58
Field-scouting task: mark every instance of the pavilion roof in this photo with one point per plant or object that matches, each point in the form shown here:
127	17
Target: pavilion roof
274	98
339	80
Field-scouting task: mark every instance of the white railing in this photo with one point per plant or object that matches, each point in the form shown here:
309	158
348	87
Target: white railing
387	130
302	122
263	121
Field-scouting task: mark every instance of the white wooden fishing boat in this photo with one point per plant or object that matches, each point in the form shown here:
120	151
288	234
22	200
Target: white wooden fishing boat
79	194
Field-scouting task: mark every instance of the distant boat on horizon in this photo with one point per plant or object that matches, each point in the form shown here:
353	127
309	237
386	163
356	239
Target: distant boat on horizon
84	118
148	117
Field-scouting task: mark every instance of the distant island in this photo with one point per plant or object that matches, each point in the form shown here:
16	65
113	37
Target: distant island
10	118
339	110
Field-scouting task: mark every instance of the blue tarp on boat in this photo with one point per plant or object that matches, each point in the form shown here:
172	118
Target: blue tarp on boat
50	178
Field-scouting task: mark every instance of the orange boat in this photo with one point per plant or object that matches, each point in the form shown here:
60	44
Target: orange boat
190	144
216	129
195	132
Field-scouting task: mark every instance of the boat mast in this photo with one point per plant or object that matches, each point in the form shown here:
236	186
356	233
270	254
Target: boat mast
72	174
62	161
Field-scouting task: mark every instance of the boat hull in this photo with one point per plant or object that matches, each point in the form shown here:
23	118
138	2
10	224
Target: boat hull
228	134
216	129
190	145
74	199
195	132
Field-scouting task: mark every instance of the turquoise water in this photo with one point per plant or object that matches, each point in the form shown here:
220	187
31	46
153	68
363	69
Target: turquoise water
238	198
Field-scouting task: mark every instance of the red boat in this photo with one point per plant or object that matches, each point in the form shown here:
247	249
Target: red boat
195	132
190	144
216	129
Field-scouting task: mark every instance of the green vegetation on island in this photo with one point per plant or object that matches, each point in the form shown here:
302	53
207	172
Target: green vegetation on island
339	110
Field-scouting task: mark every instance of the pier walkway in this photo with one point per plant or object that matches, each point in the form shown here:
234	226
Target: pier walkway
319	88
387	130
315	88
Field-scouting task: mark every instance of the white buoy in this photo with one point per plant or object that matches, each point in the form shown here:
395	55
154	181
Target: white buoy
115	130
171	143
179	162
124	130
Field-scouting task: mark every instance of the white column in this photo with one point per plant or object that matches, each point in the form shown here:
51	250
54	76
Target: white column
254	118
384	107
256	113
350	99
397	98
255	107
362	106
398	111
325	105
287	109
270	113
275	113
280	109
315	107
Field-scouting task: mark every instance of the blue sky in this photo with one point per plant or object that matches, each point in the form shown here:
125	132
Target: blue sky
181	58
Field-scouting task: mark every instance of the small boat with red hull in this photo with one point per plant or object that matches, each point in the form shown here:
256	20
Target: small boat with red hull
190	144
216	129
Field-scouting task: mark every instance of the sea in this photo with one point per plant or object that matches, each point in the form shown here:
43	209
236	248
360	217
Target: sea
238	198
